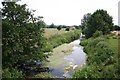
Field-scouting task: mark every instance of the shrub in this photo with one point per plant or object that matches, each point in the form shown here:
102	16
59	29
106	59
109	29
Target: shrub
59	28
11	73
85	42
20	39
97	34
67	29
103	53
47	48
88	72
100	60
107	36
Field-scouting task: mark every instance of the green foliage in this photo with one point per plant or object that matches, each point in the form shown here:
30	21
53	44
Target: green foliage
67	29
101	62
57	40
116	27
100	20
59	27
88	72
85	42
90	44
97	34
85	20
93	71
22	39
77	27
11	73
52	26
103	54
47	48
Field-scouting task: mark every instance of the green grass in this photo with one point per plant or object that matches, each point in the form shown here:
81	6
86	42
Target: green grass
114	44
60	39
50	32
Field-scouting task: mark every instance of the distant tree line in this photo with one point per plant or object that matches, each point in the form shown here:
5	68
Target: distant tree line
59	27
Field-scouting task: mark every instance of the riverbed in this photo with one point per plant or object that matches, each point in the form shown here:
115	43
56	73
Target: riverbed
66	59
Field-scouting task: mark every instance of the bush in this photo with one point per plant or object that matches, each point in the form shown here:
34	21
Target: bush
47	48
88	72
59	28
97	34
103	53
107	36
11	73
67	29
20	39
91	43
98	51
85	42
100	60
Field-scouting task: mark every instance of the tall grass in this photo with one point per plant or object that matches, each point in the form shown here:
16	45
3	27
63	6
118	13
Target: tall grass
57	40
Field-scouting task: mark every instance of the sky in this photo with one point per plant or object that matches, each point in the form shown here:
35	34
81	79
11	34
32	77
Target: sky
70	12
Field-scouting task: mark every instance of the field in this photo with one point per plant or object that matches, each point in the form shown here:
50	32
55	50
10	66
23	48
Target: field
114	44
49	32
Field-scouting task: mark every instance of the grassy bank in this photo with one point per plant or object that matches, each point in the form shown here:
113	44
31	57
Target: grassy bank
57	40
102	58
58	48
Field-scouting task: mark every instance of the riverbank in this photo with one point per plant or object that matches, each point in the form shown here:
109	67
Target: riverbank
63	56
102	61
59	39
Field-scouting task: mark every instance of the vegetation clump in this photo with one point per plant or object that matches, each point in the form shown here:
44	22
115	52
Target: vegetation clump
100	61
100	20
22	38
67	29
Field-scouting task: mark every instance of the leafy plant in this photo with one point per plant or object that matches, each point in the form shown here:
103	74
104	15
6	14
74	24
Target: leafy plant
100	60
11	73
97	34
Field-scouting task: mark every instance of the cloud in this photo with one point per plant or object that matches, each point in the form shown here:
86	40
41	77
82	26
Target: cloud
70	12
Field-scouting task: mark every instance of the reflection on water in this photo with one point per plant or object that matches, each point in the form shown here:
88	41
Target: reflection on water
78	57
57	71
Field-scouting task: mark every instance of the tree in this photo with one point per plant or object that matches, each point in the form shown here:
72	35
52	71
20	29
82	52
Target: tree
85	20
77	26
52	26
100	20
116	27
67	29
59	28
22	35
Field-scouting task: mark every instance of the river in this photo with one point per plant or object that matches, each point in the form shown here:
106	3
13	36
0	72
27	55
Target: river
66	59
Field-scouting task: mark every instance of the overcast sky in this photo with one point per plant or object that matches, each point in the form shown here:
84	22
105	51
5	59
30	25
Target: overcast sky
70	12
